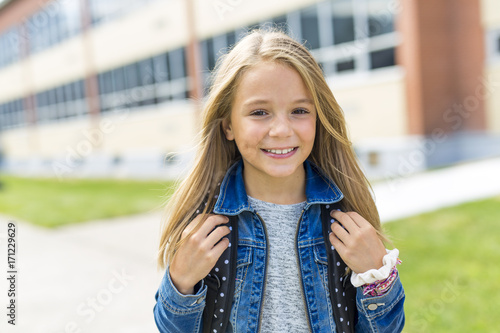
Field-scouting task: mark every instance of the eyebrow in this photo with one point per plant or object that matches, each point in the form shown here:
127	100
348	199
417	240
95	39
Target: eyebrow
265	101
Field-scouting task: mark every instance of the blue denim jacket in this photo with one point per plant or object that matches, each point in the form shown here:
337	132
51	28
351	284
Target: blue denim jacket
175	312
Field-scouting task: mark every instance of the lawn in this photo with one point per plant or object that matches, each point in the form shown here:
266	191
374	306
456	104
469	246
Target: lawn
52	203
451	267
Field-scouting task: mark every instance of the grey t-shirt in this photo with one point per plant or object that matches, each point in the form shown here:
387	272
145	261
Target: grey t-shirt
284	306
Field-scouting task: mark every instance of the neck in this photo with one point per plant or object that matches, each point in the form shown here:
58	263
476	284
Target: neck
283	191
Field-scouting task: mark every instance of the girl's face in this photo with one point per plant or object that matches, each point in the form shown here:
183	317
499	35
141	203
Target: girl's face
273	121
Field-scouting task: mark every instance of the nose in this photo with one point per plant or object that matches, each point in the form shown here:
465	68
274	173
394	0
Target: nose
280	127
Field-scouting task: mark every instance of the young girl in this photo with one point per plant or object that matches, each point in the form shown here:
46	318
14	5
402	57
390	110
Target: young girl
274	148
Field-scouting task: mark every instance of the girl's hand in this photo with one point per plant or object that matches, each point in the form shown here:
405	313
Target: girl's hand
358	244
196	257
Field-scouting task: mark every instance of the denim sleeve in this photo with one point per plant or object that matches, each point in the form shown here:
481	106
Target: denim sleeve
178	313
381	313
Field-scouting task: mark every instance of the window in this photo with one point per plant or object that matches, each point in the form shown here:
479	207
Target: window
177	64
12	114
10	47
177	67
131	76
210	53
146	81
52	24
380	17
160	68
382	58
342	21
345	65
309	26
118	79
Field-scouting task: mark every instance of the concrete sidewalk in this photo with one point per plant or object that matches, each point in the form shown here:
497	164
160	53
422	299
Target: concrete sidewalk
407	196
101	276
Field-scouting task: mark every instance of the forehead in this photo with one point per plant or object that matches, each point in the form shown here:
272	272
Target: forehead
270	81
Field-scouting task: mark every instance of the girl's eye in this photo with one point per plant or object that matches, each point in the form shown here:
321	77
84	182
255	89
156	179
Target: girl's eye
258	113
300	111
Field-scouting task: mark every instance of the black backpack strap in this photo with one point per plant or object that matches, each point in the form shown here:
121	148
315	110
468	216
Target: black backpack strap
220	285
342	292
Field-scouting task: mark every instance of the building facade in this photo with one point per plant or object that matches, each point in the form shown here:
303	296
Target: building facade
106	88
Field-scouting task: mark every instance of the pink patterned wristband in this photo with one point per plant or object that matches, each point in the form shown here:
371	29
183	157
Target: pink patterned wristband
379	288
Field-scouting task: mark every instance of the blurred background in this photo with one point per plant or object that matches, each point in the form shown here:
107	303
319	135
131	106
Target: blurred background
99	111
107	88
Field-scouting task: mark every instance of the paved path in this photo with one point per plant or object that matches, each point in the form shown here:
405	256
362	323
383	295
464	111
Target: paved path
101	276
407	196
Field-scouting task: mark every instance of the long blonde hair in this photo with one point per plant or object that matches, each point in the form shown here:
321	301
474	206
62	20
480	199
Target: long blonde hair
332	150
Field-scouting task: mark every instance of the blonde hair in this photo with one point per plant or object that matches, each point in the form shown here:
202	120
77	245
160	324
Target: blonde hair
332	150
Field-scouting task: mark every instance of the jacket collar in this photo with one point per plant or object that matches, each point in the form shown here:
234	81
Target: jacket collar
233	200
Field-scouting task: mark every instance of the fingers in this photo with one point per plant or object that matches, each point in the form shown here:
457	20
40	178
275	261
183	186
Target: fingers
216	235
336	242
211	223
339	232
220	248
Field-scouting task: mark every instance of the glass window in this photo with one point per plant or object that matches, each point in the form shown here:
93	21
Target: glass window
10	47
52	98
309	26
160	68
145	72
2	120
345	65
109	83
100	81
6	115
77	92
210	53
53	23
131	78
382	58
119	79
60	95
20	112
68	92
41	99
498	44
204	55
177	64
380	17
342	21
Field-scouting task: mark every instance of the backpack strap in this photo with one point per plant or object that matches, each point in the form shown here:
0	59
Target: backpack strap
342	292
221	282
220	285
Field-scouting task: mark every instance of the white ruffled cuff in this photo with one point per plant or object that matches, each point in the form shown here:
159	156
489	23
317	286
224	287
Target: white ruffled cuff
372	275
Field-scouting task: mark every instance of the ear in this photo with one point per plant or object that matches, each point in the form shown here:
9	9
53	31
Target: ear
228	130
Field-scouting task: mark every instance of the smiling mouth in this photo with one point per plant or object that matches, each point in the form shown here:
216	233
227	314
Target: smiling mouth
280	151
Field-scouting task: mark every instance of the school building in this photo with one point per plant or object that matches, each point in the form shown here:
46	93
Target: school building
108	88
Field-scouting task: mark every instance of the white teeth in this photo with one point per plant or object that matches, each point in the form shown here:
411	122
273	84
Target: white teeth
279	151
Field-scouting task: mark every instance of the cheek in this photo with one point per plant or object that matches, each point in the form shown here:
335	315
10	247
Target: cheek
307	131
249	135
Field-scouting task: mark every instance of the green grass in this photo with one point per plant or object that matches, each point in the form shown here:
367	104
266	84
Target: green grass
450	268
52	203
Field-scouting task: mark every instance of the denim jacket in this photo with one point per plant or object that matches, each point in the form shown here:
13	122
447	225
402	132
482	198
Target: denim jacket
175	312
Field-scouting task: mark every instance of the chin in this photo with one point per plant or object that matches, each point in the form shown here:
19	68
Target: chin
281	172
